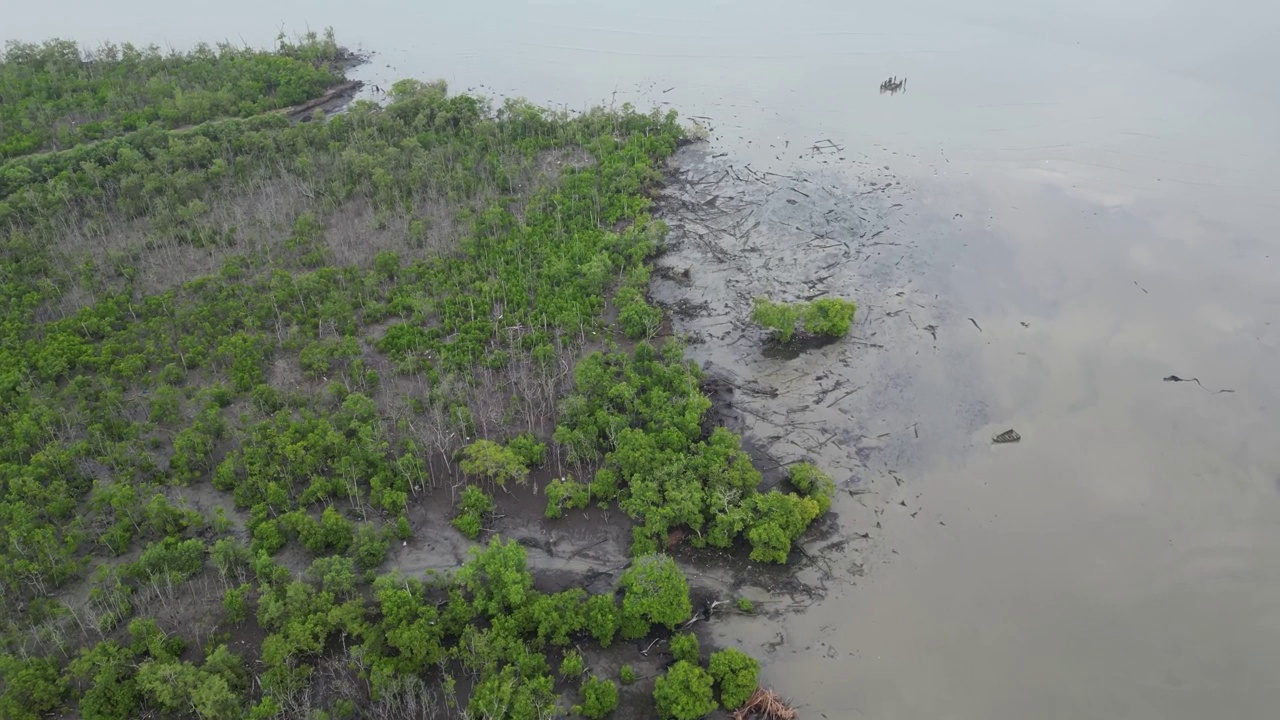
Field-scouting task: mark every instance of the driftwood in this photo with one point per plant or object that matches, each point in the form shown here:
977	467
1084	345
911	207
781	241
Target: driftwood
765	704
1175	378
893	85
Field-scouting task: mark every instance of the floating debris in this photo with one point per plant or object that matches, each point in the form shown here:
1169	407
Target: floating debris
893	86
1175	378
1008	436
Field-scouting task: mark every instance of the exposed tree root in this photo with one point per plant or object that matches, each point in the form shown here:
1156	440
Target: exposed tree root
765	704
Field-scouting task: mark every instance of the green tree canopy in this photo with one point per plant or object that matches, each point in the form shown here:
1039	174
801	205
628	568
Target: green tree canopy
684	692
490	461
737	675
654	592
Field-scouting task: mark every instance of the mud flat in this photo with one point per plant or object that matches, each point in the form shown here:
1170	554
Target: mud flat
737	233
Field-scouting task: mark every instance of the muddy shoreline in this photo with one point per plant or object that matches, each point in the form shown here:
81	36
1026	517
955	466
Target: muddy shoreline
728	240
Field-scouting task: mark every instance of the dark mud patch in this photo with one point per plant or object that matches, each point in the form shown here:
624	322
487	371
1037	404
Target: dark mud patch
333	99
682	276
797	346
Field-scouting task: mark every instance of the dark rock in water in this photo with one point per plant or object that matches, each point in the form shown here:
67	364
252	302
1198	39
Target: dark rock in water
1008	436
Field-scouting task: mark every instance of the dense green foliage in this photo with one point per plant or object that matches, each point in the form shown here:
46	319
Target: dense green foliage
494	463
528	451
810	481
642	414
684	692
824	316
779	317
736	674
572	665
688	690
566	494
656	594
684	646
238	352
829	316
186	352
473	506
599	698
55	95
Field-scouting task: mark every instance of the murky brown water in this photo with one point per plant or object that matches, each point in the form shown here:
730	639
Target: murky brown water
1102	172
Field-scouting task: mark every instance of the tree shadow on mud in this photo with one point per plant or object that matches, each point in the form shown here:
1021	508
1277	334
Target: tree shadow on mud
797	346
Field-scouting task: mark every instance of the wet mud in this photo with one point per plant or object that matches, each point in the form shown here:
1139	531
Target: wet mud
737	233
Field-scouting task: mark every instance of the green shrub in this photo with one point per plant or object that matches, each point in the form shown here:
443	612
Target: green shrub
113	693
145	636
572	665
497	576
566	493
235	603
825	316
368	547
626	675
172	559
473	506
322	357
172	374
655	592
528	450
829	316
605	485
781	518
490	461
401	528
336	574
599	698
162	518
811	482
601	617
231	558
684	692
737	675
166	405
745	605
267	537
332	533
469	525
221	523
684	646
638	319
778	317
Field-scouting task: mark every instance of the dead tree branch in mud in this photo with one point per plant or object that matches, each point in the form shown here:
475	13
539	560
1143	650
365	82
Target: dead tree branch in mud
840	399
705	613
765	704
